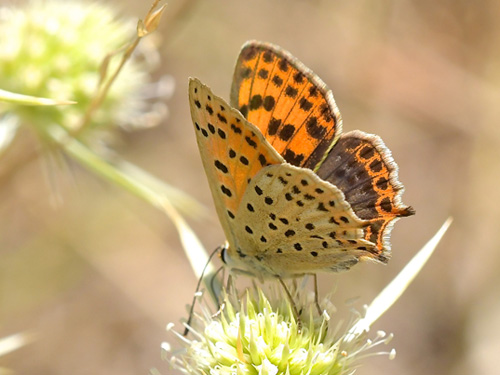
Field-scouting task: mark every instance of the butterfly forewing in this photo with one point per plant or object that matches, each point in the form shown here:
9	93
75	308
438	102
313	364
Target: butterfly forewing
232	150
290	105
292	222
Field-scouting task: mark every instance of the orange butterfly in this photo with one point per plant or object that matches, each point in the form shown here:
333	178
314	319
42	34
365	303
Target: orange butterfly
293	194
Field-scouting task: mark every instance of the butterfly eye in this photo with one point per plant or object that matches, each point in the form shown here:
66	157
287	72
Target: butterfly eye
223	255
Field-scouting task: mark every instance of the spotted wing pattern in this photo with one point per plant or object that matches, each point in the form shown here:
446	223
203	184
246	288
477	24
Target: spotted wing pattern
362	167
291	222
291	106
293	195
232	150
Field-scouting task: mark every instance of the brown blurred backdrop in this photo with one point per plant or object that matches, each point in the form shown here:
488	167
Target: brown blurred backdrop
99	276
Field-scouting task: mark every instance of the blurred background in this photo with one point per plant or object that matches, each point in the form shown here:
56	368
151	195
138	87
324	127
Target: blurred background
99	275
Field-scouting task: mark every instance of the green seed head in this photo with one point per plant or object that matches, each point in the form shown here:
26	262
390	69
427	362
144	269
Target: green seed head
260	335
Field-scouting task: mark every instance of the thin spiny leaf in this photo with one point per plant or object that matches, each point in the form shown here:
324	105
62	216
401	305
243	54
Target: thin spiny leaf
398	285
14	98
13	342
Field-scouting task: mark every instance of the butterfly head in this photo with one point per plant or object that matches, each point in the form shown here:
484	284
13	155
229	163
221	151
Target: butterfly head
240	263
224	257
230	261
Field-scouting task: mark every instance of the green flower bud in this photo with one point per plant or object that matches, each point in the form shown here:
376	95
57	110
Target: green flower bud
55	49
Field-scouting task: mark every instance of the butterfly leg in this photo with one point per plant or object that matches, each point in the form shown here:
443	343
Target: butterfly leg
231	286
222	306
316	294
226	292
215	288
294	306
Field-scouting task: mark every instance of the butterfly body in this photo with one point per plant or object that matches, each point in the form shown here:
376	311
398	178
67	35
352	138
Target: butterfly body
292	194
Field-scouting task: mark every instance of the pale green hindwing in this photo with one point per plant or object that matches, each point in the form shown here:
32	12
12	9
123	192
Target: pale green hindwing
291	222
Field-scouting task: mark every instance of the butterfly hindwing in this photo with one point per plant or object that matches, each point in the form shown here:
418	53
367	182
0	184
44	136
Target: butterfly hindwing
291	106
292	222
362	167
232	150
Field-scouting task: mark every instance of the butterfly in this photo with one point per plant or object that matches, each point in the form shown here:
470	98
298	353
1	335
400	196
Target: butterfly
293	194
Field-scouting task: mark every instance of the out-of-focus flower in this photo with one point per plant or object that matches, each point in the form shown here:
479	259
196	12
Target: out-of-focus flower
261	336
54	49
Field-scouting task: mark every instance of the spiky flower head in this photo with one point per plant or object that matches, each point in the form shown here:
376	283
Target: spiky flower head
261	335
54	49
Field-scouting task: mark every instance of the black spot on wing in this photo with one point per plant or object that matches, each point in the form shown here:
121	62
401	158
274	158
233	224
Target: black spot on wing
283	65
321	207
277	80
251	142
221	133
286	132
274	125
313	129
221	118
268	200
220	166
244	160
236	129
298	77
269	103
293	158
226	191
263	73
268	56
291	91
305	104
255	102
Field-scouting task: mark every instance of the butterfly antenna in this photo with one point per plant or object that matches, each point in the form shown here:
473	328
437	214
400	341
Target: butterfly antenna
191	310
